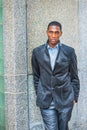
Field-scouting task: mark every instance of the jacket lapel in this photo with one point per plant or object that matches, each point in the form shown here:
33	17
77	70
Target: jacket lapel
57	55
47	57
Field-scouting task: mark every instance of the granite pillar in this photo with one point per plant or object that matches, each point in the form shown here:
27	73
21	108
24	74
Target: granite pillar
15	64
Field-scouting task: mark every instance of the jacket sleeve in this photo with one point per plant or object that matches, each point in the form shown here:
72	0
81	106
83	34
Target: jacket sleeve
35	69
74	75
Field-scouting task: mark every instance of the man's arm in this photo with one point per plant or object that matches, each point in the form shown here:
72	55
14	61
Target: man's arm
74	76
35	69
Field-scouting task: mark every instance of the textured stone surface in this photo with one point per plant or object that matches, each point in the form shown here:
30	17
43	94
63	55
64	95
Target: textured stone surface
16	111
15	37
15	65
21	111
10	111
16	83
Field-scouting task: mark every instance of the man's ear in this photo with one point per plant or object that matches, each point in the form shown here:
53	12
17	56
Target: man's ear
47	32
61	33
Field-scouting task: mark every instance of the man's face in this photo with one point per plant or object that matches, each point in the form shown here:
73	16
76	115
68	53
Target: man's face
53	33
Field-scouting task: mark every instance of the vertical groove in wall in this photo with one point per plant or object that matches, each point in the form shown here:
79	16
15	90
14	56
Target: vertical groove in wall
2	101
27	66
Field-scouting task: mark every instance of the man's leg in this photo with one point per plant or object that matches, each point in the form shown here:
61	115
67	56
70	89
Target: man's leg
50	118
64	117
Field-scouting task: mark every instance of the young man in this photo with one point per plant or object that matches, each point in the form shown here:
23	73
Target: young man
56	79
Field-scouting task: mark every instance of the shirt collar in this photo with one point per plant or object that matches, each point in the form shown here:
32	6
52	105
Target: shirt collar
48	47
55	47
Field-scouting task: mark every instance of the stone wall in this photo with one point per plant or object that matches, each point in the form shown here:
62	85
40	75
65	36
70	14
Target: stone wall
15	64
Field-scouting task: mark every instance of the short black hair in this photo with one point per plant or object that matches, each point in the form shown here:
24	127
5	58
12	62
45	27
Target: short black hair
55	23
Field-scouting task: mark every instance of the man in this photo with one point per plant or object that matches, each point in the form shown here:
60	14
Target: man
56	79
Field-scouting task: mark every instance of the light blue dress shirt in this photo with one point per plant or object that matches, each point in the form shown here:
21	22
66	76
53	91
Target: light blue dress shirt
53	54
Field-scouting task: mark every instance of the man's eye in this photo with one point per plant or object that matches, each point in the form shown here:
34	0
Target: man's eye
57	32
50	32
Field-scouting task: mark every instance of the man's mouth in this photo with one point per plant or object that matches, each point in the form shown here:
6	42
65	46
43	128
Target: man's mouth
53	40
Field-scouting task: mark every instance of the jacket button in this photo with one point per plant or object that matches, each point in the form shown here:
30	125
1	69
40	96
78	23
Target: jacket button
52	88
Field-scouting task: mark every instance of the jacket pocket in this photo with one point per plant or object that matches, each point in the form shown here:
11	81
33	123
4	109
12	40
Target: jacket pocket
68	93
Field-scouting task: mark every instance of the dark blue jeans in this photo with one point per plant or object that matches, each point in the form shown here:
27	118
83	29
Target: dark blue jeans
55	119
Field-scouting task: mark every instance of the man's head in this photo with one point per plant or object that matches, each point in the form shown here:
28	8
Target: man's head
54	32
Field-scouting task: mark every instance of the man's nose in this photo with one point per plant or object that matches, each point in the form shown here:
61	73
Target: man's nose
54	35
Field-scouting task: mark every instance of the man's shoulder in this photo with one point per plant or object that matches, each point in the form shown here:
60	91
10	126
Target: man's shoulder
67	48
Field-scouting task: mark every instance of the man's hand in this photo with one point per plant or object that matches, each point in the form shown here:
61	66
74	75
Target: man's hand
74	102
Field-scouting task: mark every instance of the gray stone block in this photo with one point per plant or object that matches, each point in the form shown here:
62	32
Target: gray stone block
16	83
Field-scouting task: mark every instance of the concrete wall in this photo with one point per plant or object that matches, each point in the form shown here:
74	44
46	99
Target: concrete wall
24	29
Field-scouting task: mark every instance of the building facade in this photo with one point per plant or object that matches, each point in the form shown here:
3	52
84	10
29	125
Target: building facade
23	25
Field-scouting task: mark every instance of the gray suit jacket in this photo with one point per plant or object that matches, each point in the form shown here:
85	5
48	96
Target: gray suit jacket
61	84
